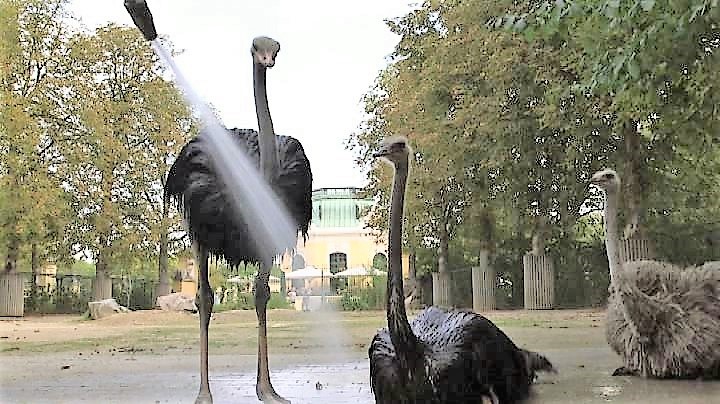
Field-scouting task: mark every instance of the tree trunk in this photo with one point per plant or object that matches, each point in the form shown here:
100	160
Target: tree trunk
412	274
539	236
102	285
441	280
411	283
633	183
163	287
443	249
34	266
12	255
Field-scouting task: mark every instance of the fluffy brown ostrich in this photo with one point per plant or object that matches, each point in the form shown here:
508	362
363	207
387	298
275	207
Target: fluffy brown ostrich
663	320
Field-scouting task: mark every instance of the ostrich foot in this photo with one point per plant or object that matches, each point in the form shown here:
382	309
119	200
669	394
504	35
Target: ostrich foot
624	371
266	393
204	397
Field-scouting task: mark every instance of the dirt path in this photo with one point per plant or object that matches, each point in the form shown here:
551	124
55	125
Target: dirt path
151	357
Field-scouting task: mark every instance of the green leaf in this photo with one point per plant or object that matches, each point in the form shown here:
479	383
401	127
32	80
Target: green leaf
634	70
647	5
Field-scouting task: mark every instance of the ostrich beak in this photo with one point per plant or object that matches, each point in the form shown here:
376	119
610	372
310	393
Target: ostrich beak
596	179
381	152
266	59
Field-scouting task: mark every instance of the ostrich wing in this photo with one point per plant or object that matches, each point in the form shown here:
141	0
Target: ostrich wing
676	312
193	182
294	182
470	354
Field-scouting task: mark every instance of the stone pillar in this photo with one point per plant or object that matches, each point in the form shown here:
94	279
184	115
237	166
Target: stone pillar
633	249
12	301
441	289
483	285
539	282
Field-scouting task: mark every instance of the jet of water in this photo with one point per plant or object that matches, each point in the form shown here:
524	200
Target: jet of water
269	222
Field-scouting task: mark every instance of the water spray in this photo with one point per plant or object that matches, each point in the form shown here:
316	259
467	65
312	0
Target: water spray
271	227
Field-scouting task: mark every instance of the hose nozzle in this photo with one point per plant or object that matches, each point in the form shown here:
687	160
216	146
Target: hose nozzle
142	18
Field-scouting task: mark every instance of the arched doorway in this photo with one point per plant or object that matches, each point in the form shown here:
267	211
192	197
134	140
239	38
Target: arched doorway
298	262
338	263
380	262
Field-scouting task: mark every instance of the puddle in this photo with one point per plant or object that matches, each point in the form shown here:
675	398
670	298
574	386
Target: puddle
331	383
607	392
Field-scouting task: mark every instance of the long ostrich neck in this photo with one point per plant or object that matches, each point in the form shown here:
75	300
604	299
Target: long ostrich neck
636	305
269	159
400	332
611	235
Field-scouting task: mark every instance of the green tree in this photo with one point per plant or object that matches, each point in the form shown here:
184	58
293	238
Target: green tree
32	52
134	120
654	65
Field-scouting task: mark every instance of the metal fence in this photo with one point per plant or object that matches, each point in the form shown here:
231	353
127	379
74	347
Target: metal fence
71	294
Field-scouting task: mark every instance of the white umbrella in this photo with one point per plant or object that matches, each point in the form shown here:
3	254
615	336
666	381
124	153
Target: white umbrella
245	279
308	272
359	271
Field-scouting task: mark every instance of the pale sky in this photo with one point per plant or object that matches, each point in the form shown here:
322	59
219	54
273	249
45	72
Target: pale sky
331	51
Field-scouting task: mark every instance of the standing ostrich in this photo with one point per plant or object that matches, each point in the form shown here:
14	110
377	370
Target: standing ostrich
663	320
442	356
217	228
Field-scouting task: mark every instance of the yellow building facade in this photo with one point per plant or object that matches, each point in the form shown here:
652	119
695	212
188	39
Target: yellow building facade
338	238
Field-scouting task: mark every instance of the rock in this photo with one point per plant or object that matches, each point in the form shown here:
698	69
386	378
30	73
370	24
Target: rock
176	302
104	308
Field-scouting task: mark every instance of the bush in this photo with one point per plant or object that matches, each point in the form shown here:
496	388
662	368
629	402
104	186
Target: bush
361	297
246	301
352	303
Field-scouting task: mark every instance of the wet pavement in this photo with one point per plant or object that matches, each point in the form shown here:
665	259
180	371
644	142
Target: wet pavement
584	378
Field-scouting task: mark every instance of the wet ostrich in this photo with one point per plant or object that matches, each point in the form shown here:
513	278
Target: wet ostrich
663	320
442	356
215	226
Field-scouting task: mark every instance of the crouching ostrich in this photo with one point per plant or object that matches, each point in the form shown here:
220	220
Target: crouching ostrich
663	320
217	228
442	356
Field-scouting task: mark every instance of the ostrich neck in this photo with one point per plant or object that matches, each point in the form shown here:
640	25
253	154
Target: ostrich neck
635	305
611	235
401	334
269	159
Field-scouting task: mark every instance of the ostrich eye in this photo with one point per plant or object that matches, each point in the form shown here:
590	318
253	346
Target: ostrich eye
608	176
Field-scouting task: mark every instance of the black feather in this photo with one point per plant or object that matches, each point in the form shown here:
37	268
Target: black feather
463	357
200	194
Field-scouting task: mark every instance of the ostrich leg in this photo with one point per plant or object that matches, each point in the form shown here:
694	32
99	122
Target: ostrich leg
264	389
205	300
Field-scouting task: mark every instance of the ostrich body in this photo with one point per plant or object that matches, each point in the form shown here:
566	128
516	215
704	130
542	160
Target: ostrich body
217	229
442	356
663	320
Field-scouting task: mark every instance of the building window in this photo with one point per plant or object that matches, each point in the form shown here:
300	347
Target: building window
298	262
338	262
380	262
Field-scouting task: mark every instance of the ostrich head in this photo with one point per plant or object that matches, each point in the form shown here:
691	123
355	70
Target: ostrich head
394	149
264	50
607	179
